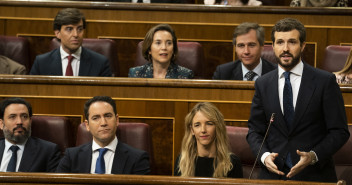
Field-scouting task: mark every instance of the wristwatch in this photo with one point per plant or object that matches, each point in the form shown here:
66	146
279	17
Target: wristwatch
313	157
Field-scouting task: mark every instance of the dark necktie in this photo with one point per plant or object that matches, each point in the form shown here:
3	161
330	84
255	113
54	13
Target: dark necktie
69	71
140	1
289	111
11	167
250	75
100	165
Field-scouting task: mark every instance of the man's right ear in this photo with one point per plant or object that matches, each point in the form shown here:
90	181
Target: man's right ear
1	124
87	124
57	34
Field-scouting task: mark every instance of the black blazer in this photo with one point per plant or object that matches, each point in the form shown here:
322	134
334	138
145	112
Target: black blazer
91	64
38	155
233	70
127	160
319	123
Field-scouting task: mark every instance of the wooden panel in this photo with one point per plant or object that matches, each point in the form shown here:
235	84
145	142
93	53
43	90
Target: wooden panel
84	179
212	26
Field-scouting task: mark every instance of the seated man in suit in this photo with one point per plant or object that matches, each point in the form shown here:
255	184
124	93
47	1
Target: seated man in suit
105	154
248	39
71	59
8	66
19	152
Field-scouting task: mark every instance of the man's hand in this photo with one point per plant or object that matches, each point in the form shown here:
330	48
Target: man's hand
303	162
270	165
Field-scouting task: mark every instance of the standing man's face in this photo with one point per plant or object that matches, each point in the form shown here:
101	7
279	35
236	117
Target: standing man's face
288	48
71	36
248	49
16	124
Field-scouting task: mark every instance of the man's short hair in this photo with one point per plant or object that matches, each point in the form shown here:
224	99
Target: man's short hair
68	16
106	99
245	28
289	24
9	101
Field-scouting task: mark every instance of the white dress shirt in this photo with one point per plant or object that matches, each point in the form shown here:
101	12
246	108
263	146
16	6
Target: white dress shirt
295	79
8	153
75	62
258	70
108	157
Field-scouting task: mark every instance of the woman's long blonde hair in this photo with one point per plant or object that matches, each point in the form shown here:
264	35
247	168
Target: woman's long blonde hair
348	65
222	162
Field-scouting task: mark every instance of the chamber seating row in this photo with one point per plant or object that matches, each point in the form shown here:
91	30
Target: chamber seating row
59	130
191	54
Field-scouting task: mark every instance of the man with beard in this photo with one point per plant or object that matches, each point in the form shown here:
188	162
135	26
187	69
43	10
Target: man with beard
19	152
310	119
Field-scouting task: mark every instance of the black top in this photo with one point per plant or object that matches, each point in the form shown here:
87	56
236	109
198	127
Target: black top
204	167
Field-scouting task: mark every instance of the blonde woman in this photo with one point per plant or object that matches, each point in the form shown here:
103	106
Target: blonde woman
345	75
205	146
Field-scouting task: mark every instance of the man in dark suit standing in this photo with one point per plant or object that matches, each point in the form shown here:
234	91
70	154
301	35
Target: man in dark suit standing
310	123
248	39
71	59
19	152
105	154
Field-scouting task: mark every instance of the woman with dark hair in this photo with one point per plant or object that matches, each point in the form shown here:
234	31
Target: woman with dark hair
160	49
205	147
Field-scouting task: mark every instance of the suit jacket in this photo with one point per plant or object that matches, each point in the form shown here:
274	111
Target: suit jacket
38	155
91	64
8	66
233	70
319	123
127	160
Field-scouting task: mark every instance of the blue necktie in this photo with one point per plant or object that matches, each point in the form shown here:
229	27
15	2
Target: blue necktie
100	165
11	167
289	111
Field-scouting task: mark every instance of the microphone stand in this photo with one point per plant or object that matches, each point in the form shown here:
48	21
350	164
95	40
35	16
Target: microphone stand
260	149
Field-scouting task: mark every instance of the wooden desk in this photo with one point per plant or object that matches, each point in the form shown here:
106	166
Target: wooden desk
212	26
84	179
163	104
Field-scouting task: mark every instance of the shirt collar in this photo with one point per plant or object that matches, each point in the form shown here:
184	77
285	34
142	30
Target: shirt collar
257	69
76	54
297	70
8	144
111	146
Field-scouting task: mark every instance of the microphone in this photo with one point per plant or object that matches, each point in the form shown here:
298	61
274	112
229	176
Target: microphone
260	149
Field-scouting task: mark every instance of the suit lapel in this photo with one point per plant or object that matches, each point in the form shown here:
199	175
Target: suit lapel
2	148
56	63
120	158
237	72
85	63
305	93
85	159
29	155
275	106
